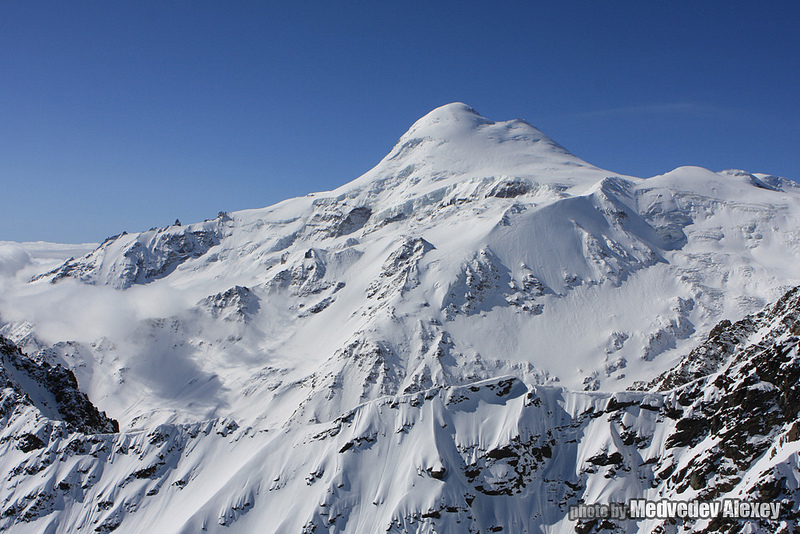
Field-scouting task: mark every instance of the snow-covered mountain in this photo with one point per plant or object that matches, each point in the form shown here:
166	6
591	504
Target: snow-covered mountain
473	335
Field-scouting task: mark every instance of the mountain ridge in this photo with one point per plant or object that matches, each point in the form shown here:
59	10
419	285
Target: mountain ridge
478	261
535	238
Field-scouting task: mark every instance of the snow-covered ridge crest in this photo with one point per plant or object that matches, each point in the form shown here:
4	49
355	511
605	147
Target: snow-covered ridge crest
449	154
128	259
515	231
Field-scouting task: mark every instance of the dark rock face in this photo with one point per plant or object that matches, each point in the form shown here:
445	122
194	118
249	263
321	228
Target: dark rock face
400	271
169	251
236	304
739	392
144	258
510	189
72	406
354	221
29	442
730	417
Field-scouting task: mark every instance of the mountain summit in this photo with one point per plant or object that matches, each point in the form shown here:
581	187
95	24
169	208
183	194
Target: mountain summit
454	142
458	123
491	320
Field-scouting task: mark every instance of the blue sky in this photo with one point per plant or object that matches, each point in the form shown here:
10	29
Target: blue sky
126	115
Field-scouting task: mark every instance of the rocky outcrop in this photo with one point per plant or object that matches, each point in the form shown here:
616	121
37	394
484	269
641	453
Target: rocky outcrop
127	259
236	304
52	389
400	272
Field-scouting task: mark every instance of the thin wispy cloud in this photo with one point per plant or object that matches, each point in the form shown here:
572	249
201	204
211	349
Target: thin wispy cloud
695	109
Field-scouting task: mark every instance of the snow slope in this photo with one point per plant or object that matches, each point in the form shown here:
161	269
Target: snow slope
416	313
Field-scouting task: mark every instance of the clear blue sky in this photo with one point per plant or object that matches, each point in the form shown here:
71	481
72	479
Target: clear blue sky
125	115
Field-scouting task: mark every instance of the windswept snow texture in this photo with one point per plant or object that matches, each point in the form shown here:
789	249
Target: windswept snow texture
442	345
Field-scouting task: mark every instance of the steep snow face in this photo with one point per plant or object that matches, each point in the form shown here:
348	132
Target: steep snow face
494	455
475	251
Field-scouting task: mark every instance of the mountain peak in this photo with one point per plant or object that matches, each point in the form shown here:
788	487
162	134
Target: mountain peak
454	111
445	122
458	123
454	142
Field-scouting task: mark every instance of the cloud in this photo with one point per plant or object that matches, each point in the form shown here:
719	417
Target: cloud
13	258
662	108
70	310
